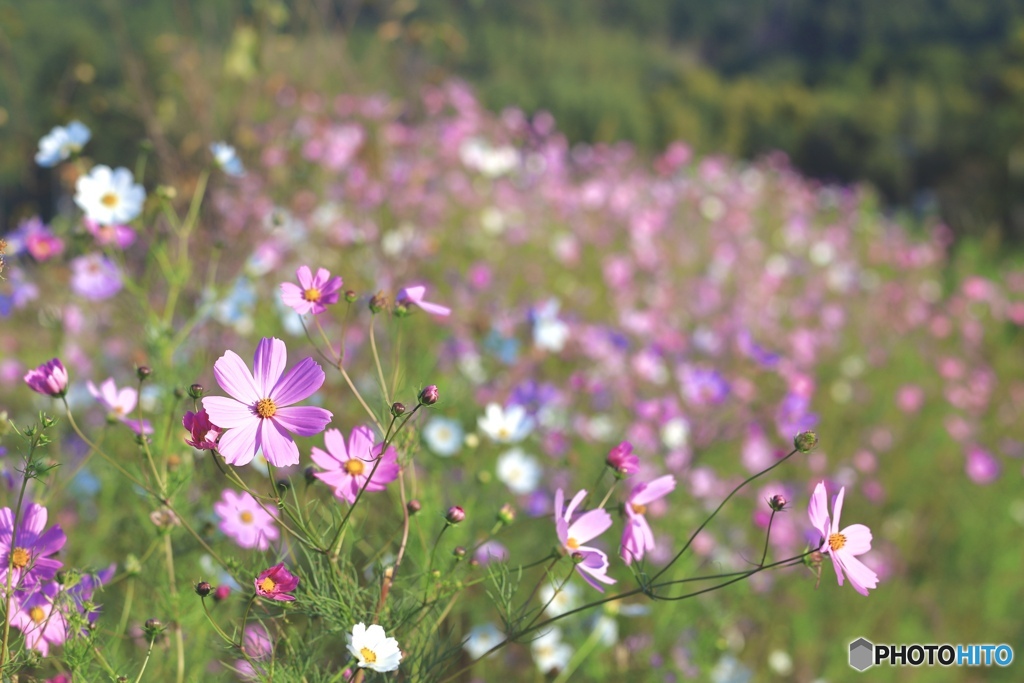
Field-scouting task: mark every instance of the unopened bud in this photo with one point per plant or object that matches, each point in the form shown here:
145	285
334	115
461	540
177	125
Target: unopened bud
132	566
153	628
378	302
397	409
429	395
221	593
507	514
413	506
455	515
203	588
459	552
47	421
196	391
143	372
777	502
351	296
805	442
310	474
401	310
577	558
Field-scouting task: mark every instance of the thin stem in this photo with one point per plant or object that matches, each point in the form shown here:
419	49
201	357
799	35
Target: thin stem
178	638
245	620
608	495
10	557
376	361
767	535
114	463
430	565
145	661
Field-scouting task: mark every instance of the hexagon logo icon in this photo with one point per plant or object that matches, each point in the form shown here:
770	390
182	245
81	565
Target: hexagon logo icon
862	654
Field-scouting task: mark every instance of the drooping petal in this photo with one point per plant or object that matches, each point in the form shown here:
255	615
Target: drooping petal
278	447
435	309
238	446
653	490
818	509
234	377
574	503
267	364
227	413
861	576
303	420
300	383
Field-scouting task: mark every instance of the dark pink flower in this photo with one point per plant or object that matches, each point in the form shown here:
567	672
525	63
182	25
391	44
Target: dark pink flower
842	546
275	583
622	460
44	245
312	294
50	378
203	432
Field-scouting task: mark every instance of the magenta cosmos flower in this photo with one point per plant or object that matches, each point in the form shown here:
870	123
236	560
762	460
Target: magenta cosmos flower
50	378
203	432
348	469
40	620
120	403
842	546
637	537
591	563
27	551
275	583
413	296
259	413
312	294
243	520
622	460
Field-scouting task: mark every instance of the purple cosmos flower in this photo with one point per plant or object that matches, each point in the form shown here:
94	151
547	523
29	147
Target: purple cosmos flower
591	563
259	413
94	277
413	296
637	537
622	460
40	620
81	593
347	470
275	583
842	546
703	386
243	520
50	378
312	294
27	551
203	432
121	235
981	467
119	404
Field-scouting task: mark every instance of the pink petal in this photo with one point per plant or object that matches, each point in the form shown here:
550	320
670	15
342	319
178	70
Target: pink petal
292	296
574	503
436	309
360	443
227	413
300	383
858	539
654	490
234	377
268	363
818	509
413	294
837	509
336	479
238	446
303	420
332	286
304	276
50	542
590	525
277	444
322	275
861	577
34	519
837	565
335	443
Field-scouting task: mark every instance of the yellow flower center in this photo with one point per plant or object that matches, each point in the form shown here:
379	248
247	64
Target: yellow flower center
266	407
572	544
246	517
109	200
836	541
311	294
368	655
37	614
20	558
504	433
355	467
639	509
267	585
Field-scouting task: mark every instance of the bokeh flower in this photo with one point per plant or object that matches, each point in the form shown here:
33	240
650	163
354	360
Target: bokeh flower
505	425
61	142
243	520
120	404
227	159
637	537
443	436
50	378
109	196
95	277
413	296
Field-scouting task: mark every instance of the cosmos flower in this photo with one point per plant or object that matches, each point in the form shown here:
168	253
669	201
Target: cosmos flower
275	583
227	158
50	378
203	432
549	652
591	563
119	404
637	537
243	520
40	621
82	592
549	333
373	649
505	425
482	638
109	196
519	471
621	459
348	469
312	294
61	142
121	235
413	296
95	277
43	244
842	546
443	436
28	550
259	413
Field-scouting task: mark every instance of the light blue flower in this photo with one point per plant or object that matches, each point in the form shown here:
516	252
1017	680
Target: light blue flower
227	158
62	142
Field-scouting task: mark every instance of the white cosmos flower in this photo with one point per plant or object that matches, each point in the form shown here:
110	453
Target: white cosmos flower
62	142
519	472
481	639
227	158
443	436
109	197
505	425
567	599
373	649
549	652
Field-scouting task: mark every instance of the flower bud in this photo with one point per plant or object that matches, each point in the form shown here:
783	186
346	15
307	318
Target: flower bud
401	310
196	391
805	442
350	296
221	593
413	506
455	515
397	409
777	502
203	588
577	558
459	552
429	395
378	302
310	474
507	514
143	372
132	566
153	628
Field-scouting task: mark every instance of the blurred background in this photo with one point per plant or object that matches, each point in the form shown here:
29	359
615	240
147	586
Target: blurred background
922	98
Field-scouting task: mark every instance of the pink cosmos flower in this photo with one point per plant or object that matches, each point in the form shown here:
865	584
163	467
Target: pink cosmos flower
312	294
591	563
121	235
40	620
257	647
243	520
622	460
44	245
203	432
259	413
413	296
347	470
637	537
27	551
842	546
50	378
275	583
119	404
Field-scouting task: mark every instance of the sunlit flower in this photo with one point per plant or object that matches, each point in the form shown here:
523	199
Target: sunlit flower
349	469
61	142
505	425
312	294
27	552
842	546
120	404
520	472
276	583
373	649
243	520
637	537
443	436
259	413
50	378
109	196
591	563
40	621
